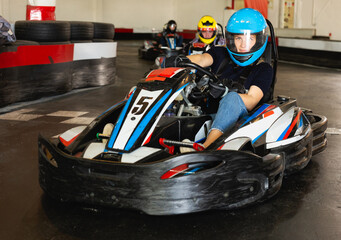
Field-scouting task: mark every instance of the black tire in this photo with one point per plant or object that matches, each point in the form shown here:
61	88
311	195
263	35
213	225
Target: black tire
43	31
81	41
81	30
102	40
54	43
104	30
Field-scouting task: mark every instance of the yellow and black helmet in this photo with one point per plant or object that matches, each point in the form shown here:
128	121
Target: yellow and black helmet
207	29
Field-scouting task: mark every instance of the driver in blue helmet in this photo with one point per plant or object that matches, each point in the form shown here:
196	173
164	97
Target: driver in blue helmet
238	62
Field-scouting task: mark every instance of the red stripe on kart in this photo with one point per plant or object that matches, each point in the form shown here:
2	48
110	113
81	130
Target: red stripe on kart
267	114
171	173
163	72
267	109
219	148
148	139
67	143
155	79
292	125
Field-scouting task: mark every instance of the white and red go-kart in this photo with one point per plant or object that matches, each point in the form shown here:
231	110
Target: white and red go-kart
129	156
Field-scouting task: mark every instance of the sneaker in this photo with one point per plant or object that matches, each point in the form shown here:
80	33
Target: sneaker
187	149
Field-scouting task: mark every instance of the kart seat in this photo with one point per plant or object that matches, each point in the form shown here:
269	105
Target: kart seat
270	56
107	130
94	149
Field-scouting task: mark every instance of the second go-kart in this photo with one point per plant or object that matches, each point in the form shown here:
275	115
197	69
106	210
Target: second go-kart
130	156
153	49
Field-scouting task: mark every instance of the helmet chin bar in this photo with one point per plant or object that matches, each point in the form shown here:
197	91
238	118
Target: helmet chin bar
242	58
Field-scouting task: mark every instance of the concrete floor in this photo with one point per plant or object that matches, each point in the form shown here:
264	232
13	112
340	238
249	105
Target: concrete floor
307	207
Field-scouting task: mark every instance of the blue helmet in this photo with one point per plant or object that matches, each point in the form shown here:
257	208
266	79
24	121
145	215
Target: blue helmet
246	36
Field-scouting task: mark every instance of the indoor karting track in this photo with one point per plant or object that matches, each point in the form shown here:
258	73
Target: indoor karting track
307	207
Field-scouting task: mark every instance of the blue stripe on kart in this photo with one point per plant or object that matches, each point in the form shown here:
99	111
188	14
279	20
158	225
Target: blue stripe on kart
172	46
192	171
202	139
182	87
283	133
254	140
145	121
119	123
301	122
259	111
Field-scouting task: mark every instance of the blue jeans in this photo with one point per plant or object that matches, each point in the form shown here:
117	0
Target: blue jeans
231	108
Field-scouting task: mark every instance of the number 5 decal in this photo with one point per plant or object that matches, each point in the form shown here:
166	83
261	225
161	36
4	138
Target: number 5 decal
141	106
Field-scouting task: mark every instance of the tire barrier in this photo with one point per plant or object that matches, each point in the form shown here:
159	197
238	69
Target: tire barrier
28	83
55	57
81	31
43	31
92	73
49	32
103	30
54	43
102	40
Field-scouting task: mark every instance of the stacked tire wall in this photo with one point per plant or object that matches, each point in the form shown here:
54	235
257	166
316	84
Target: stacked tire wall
55	57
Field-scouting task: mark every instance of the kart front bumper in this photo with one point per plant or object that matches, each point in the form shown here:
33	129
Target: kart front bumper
238	179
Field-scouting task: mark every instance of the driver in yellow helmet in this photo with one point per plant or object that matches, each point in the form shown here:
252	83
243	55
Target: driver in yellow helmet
207	37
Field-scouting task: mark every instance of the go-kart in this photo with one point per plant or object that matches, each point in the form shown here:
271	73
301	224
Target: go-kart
131	155
153	49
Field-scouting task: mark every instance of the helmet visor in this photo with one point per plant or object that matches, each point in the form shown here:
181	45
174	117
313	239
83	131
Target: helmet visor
172	27
207	33
246	41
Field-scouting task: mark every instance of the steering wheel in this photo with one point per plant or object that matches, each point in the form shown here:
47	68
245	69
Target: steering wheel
233	86
200	93
200	69
216	89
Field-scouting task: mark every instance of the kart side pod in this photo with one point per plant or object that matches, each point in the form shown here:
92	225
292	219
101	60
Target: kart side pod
291	127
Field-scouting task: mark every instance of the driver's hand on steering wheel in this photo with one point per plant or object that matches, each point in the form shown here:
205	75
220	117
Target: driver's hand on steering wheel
175	61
